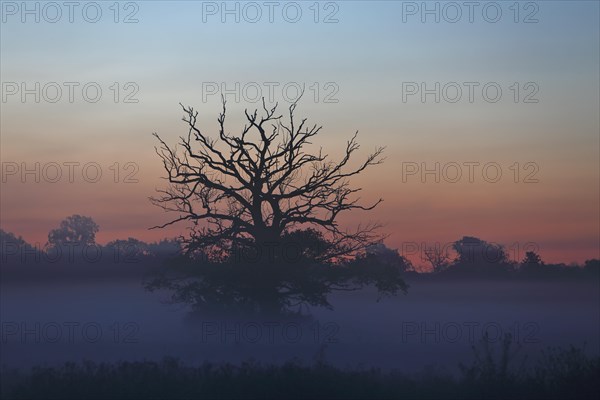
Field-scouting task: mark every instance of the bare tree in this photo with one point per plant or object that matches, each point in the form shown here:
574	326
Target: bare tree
438	258
261	193
251	188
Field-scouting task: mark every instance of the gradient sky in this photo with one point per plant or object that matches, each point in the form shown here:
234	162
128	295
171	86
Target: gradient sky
368	54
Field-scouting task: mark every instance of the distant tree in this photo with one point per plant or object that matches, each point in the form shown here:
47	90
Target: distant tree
476	251
380	253
8	239
438	257
76	229
532	259
16	249
129	250
476	256
532	265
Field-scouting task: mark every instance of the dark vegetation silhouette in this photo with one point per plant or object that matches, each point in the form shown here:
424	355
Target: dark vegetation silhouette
77	255
71	252
75	229
264	210
496	372
474	257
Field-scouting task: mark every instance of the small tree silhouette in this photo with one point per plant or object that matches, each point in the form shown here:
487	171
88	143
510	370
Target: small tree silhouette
262	198
478	257
532	266
438	257
74	230
532	259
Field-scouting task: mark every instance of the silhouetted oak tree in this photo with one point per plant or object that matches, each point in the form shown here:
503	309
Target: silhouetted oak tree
260	197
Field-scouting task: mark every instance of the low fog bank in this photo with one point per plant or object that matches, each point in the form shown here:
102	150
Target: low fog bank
435	323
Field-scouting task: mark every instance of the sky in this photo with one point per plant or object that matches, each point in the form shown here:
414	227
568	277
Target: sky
489	114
